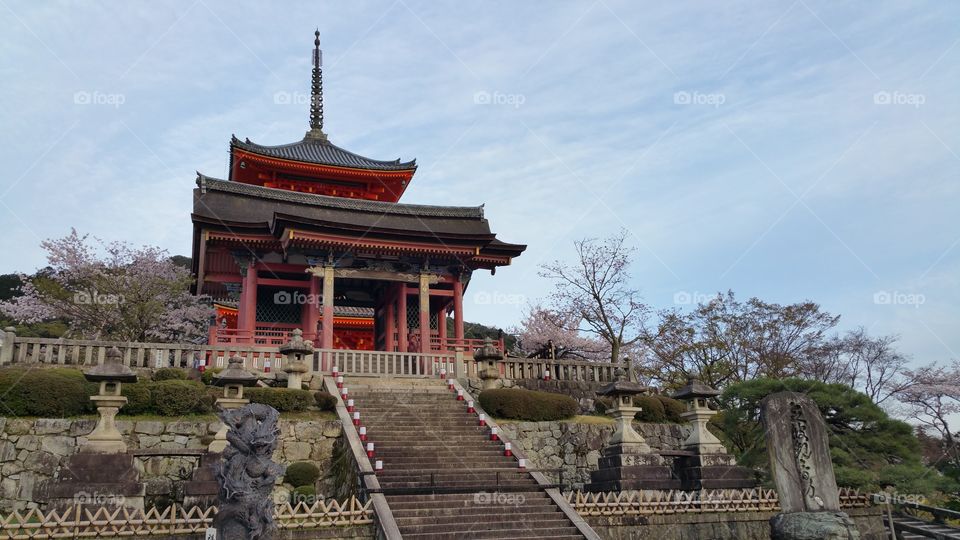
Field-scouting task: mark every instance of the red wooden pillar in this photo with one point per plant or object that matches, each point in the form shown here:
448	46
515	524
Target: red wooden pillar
391	317
442	328
425	334
327	338
458	311
312	309
247	311
402	329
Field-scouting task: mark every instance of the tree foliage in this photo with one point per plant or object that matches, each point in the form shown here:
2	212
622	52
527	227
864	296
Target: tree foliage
111	291
866	445
542	327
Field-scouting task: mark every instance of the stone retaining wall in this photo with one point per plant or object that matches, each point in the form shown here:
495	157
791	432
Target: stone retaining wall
31	450
584	392
575	447
717	525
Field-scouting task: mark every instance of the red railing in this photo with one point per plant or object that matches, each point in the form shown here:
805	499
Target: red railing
233	336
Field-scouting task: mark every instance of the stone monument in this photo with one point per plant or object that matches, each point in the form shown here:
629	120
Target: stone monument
294	352
802	471
706	465
247	473
627	462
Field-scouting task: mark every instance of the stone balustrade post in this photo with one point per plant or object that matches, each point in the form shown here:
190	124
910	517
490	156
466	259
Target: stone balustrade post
6	347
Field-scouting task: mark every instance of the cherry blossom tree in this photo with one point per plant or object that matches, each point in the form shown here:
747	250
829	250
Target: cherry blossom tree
594	294
933	400
541	327
111	290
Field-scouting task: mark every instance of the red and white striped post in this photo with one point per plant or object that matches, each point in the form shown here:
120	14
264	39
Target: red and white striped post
369	449
343	393
336	372
356	418
507	449
443	373
450	384
546	375
339	380
522	463
494	434
470	408
363	433
377	466
459	395
350	405
483	419
266	366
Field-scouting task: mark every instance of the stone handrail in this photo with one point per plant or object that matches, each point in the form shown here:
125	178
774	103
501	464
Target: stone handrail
85	352
387	527
352	362
647	502
562	370
103	522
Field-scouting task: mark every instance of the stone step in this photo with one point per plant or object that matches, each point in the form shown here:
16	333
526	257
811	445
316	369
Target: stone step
452	500
461	512
482	524
566	533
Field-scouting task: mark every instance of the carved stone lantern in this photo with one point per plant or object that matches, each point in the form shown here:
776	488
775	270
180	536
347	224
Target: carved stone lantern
696	394
622	392
105	437
232	379
487	358
294	352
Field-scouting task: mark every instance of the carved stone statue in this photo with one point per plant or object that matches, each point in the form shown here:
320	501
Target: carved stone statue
247	473
802	471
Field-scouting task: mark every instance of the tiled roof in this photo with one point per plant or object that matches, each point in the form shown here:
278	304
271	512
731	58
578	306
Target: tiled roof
323	152
207	183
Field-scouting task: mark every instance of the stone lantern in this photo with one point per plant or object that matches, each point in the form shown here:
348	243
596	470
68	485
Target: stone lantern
487	358
294	352
622	393
105	437
232	379
696	394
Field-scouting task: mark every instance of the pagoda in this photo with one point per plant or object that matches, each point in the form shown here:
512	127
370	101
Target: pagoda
309	235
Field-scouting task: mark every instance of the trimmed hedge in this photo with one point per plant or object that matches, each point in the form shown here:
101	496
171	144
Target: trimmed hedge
175	397
672	409
302	473
139	398
208	375
325	401
281	399
528	405
44	392
170	374
303	494
659	409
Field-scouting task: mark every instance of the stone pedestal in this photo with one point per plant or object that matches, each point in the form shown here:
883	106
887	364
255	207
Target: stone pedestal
105	437
813	526
202	488
219	442
631	466
713	471
295	371
96	480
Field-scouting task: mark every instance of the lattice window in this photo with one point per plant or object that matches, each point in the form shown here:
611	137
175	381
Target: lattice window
413	314
278	305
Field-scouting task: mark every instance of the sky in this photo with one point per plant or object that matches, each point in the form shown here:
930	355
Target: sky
794	150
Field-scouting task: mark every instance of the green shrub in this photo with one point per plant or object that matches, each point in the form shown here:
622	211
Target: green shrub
302	473
528	404
651	409
174	397
303	494
281	399
45	392
325	401
208	375
601	405
138	397
672	409
169	374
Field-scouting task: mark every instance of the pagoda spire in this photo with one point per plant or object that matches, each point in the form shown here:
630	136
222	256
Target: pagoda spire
316	92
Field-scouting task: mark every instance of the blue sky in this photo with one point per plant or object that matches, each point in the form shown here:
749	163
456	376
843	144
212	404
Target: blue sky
785	150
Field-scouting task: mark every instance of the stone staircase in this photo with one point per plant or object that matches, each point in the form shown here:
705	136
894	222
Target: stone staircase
442	475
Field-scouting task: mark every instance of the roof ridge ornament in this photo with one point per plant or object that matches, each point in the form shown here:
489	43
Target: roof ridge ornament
316	93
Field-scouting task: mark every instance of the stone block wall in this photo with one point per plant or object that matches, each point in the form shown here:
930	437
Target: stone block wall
575	447
31	451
